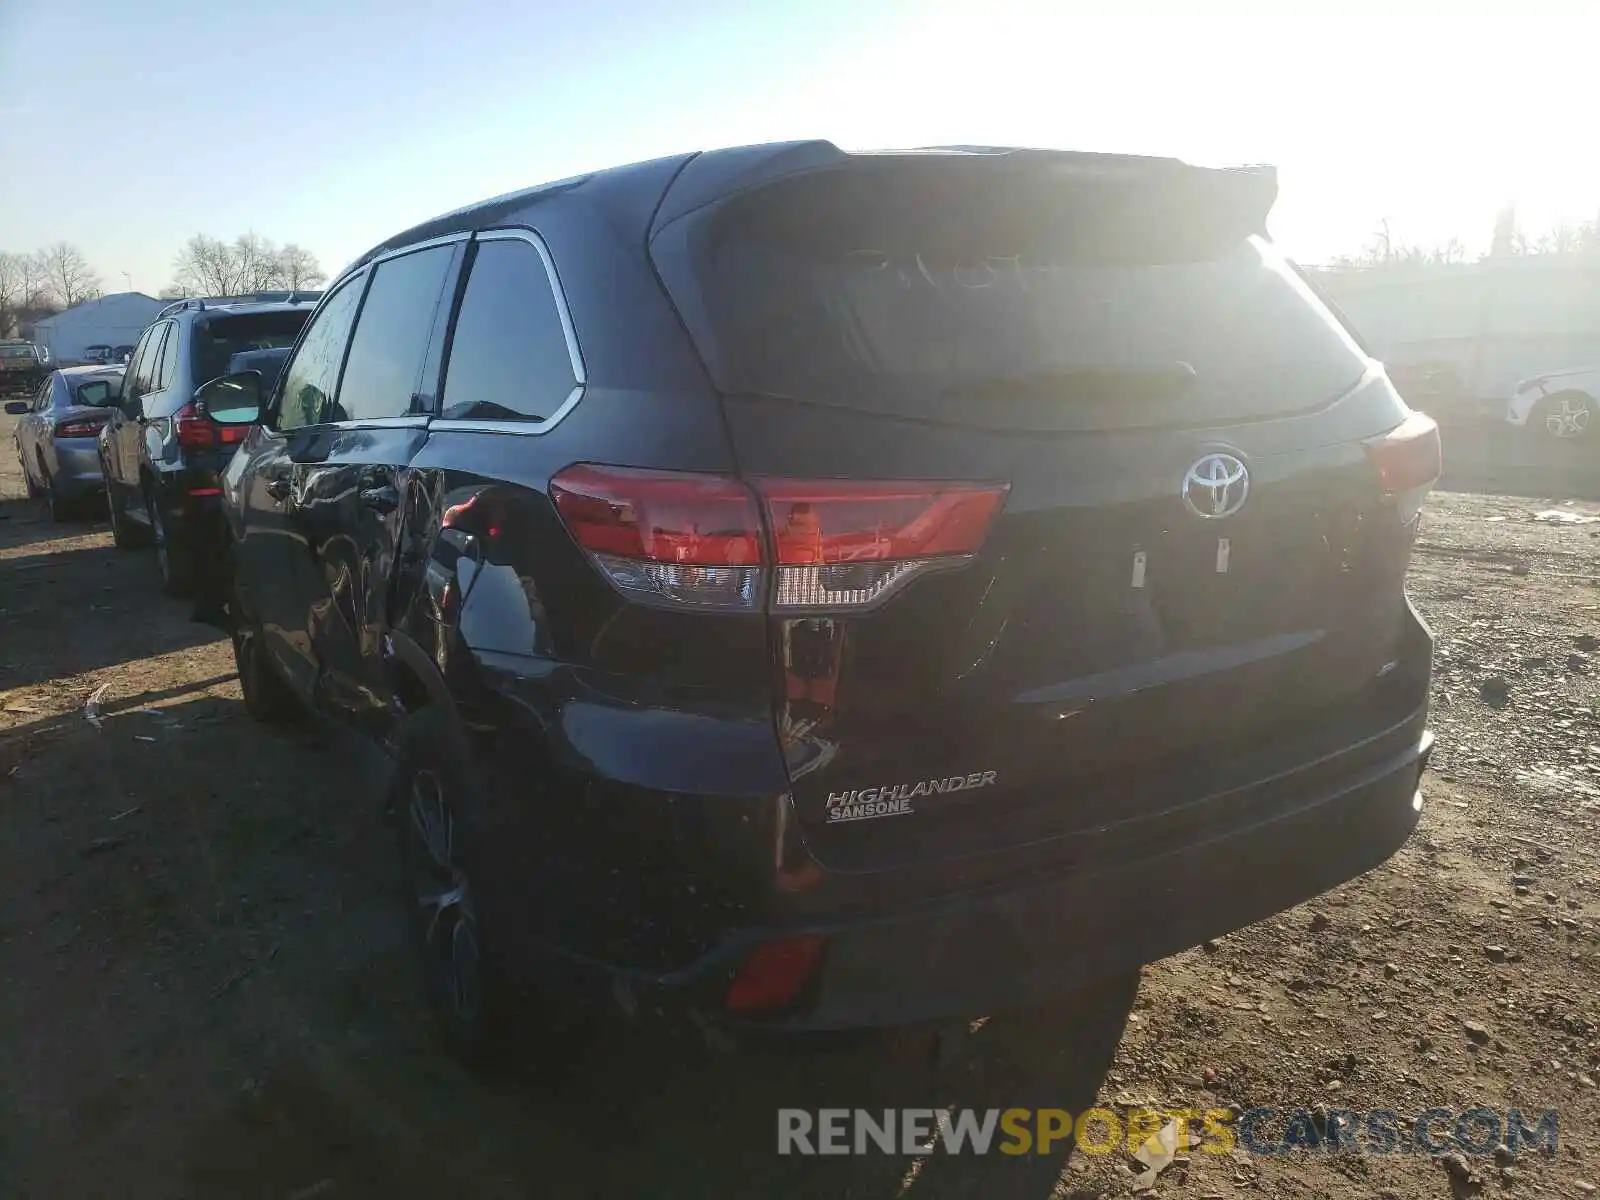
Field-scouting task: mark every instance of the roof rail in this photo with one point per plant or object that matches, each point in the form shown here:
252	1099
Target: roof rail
297	296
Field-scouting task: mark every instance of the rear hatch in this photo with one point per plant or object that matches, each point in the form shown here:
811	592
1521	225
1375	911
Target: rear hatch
222	344
1186	547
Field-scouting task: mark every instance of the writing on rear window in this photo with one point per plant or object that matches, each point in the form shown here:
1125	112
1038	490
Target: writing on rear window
863	804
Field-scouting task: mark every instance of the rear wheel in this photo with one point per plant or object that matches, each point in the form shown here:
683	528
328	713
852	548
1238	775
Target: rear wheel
34	491
172	558
60	509
1565	416
433	801
268	697
124	533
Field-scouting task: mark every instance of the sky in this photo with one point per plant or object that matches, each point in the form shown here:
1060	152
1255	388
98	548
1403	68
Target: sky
127	127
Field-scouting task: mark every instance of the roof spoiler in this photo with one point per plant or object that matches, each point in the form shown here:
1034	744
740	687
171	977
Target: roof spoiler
712	177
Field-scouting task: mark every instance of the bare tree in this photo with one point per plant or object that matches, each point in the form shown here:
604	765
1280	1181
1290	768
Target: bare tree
256	261
208	266
298	268
205	267
68	277
11	296
34	279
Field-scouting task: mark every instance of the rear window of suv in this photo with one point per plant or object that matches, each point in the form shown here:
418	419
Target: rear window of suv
1016	298
219	338
16	351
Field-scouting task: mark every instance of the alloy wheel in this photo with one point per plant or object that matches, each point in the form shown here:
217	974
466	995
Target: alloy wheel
1567	418
439	888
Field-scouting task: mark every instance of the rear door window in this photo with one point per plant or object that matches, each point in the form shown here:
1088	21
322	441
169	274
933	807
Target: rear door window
952	292
512	357
167	368
391	337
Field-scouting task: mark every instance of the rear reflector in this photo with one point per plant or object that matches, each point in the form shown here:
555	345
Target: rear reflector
774	974
827	545
1409	459
79	428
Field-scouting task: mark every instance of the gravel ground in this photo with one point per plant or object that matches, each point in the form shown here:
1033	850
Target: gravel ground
207	992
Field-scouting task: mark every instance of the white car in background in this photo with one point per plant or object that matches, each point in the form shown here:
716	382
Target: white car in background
1559	404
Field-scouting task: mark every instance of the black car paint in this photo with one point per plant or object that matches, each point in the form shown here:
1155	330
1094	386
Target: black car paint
641	762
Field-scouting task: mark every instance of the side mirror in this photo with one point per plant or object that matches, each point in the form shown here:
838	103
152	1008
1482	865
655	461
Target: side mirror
16	408
232	399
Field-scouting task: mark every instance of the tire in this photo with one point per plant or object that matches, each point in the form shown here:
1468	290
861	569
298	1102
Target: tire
1565	416
125	535
60	509
268	698
435	799
34	490
172	559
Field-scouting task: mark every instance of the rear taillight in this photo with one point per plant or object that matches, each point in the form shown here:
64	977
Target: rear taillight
68	429
197	431
692	540
846	545
1409	459
826	545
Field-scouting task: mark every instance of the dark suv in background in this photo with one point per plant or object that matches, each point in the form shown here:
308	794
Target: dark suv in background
161	450
812	590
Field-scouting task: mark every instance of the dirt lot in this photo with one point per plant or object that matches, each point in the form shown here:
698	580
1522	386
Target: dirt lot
206	991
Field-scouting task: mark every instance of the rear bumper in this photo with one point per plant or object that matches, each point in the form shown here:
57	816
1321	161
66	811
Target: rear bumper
977	953
77	470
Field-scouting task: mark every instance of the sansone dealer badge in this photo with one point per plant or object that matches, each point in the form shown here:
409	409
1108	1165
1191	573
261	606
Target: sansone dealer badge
895	800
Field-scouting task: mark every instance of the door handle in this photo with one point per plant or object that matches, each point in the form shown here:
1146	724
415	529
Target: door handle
277	487
383	499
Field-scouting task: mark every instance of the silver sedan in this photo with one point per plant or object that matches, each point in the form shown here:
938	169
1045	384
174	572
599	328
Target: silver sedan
57	437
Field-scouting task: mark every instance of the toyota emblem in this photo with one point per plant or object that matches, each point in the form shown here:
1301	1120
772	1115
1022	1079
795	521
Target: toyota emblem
1216	486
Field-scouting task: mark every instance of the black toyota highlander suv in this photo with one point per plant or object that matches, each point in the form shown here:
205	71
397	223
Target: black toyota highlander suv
809	590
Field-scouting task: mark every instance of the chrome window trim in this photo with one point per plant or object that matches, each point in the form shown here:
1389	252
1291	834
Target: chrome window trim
568	331
409	421
448	239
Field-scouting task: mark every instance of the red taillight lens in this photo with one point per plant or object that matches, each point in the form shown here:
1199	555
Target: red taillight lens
195	431
846	544
772	976
834	544
683	539
1409	459
79	428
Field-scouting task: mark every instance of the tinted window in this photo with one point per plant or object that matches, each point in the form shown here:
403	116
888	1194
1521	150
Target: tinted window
312	376
931	291
509	359
135	382
167	368
218	339
392	335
